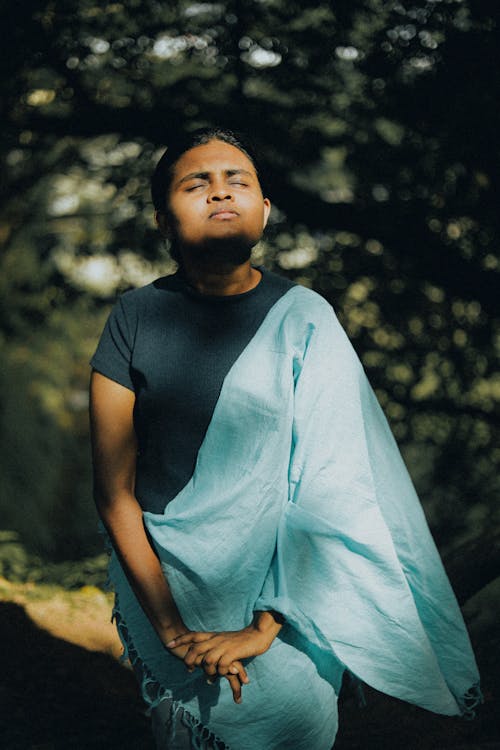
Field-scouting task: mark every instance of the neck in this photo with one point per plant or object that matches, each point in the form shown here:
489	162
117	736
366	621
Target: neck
221	281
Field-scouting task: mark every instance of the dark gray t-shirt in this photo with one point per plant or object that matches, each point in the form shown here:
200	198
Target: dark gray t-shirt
173	347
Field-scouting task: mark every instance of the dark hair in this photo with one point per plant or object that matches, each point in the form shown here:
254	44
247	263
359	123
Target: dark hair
162	176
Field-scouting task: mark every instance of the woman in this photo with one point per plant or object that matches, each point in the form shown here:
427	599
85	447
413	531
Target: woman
265	533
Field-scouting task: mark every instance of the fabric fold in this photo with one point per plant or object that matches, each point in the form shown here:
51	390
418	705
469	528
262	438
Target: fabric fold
356	566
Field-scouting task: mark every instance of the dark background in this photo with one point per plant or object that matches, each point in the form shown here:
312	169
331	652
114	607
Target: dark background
377	124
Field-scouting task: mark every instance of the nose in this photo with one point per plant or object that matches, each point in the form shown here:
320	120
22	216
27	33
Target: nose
220	191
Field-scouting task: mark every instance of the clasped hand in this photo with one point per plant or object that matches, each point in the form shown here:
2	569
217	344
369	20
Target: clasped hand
220	653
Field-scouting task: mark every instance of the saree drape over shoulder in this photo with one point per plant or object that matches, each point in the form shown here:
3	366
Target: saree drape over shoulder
300	502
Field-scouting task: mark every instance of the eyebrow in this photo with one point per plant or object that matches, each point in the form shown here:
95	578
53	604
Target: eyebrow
206	175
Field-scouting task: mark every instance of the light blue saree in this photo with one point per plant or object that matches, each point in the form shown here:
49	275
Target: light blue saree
300	503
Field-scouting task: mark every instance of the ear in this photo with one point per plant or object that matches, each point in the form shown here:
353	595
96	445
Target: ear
267	211
162	223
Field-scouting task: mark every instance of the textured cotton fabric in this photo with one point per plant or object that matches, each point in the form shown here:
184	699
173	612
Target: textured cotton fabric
300	502
173	347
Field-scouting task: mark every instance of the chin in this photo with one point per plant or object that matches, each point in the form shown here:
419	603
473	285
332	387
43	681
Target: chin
225	251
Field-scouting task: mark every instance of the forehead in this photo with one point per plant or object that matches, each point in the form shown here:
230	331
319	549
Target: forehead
213	156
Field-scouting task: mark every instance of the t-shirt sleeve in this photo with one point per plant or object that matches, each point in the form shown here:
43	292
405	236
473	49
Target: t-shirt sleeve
113	355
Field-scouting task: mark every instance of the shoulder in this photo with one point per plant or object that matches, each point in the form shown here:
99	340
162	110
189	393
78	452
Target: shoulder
136	299
275	281
297	298
308	305
301	317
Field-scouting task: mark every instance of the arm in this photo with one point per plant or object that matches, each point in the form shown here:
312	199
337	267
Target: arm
114	451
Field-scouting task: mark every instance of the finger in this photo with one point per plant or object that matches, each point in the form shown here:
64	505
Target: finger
198	652
188	638
235	685
227	664
237	668
193	658
209	662
214	661
210	670
199	656
198	662
195	654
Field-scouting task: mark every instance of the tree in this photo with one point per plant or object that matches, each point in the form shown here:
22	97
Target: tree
379	150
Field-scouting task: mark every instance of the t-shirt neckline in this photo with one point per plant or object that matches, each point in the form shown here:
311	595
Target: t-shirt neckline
222	298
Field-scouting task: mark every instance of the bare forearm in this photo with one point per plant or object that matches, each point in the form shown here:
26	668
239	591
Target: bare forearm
122	517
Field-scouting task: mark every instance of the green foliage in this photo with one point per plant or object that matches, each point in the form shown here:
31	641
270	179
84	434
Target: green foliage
18	565
377	127
45	458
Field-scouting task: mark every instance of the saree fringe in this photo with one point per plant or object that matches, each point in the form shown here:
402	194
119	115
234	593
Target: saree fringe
470	701
202	738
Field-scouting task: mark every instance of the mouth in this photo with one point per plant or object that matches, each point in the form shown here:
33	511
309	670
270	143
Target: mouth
223	214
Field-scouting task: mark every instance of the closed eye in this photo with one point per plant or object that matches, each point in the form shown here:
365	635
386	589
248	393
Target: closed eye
194	187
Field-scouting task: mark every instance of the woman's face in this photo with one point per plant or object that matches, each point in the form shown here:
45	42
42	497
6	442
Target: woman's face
215	195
